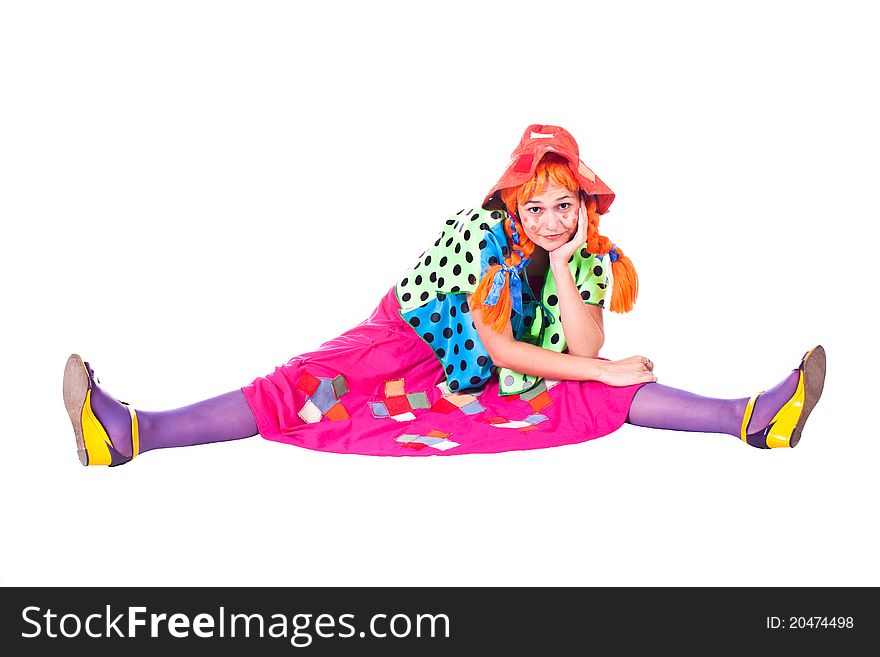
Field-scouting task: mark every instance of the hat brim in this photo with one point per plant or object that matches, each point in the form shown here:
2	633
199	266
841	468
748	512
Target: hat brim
522	168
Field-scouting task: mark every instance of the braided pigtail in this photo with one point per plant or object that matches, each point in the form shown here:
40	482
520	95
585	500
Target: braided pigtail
626	281
500	290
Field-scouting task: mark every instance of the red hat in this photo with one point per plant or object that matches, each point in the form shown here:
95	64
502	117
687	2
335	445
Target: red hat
536	141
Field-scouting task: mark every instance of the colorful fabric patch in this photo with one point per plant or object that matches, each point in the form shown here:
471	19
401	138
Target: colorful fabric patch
537	397
467	402
398	404
529	424
435	439
322	398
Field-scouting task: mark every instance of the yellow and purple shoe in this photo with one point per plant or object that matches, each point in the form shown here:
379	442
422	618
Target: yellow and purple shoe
93	445
786	426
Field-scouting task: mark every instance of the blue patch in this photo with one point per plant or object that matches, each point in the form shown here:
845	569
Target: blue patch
472	408
379	409
324	397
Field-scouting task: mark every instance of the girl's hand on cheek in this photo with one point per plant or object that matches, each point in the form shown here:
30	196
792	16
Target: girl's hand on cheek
561	255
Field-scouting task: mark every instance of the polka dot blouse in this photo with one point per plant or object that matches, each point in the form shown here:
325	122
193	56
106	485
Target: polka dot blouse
433	302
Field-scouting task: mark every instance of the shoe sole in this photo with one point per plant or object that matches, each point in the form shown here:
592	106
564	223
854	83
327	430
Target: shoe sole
814	383
76	385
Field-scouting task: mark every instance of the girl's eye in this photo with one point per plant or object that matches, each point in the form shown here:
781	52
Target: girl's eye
566	204
534	208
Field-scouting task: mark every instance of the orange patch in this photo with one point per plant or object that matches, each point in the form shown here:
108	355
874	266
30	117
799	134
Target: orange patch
394	388
540	402
337	412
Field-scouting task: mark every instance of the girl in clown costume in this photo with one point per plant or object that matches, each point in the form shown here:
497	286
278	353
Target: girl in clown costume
489	342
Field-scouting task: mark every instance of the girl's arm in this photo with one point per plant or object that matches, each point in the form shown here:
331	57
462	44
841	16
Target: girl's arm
506	351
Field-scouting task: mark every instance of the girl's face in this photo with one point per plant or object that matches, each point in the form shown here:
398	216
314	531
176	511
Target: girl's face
550	219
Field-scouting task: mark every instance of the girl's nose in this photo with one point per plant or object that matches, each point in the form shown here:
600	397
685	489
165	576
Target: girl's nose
553	219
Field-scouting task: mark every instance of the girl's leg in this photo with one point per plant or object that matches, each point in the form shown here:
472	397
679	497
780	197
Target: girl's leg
225	417
661	407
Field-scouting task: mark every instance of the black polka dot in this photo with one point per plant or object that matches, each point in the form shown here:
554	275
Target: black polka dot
429	337
437	243
585	295
440	282
433	277
552	300
418	264
473	326
468	344
450	369
496	214
456	270
505	251
449	222
452	311
528	319
601	286
447	332
418	280
441	297
453	385
428	260
485	226
449	241
435	317
555	338
455	350
424	296
469	256
493	261
463	365
482	360
458	248
406	296
475	380
585	253
404	282
455	289
415	321
467	235
571	258
464	307
597	270
458	329
472	279
508	380
601	302
443	261
441	352
482	244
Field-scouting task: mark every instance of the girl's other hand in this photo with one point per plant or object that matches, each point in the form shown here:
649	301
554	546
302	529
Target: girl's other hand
626	372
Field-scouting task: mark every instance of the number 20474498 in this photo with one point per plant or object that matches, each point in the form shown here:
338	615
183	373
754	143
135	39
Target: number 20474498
809	622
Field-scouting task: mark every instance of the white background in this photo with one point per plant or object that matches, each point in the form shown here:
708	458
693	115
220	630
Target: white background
181	182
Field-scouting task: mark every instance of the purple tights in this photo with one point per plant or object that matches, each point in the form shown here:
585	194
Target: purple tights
661	407
229	417
225	417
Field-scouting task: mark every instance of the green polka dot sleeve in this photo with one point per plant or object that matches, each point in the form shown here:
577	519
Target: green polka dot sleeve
592	277
451	265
